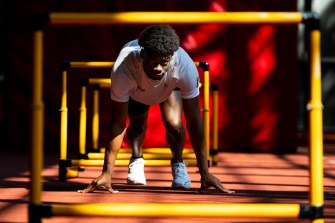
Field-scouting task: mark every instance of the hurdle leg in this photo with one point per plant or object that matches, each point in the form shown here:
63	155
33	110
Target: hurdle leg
95	119
214	150
64	118
82	121
63	173
36	153
205	67
316	139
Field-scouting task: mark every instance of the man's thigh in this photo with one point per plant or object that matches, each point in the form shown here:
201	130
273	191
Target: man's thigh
137	108
171	108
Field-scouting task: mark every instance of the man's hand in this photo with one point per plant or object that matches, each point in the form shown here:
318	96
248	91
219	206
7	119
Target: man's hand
211	181
101	182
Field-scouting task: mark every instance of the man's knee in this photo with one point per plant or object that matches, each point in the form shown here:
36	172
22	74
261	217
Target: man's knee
136	130
138	124
175	127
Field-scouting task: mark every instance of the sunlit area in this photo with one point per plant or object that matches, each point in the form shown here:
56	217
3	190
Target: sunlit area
167	111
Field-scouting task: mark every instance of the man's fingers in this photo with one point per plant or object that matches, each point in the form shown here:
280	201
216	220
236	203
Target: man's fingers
229	191
225	190
95	185
216	184
222	189
92	187
111	190
219	188
84	191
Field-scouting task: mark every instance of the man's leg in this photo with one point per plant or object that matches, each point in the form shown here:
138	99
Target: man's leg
136	133
138	115
171	111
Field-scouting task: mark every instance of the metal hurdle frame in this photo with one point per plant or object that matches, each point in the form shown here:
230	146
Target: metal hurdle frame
313	210
160	157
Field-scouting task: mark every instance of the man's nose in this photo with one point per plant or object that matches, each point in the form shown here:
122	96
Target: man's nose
158	68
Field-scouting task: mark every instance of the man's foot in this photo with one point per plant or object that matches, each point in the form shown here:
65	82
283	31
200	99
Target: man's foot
180	176
136	172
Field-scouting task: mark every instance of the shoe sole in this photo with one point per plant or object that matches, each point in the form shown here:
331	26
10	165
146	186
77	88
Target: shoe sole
178	186
130	182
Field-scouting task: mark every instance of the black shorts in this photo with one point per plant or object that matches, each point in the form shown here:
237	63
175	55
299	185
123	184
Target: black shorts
137	108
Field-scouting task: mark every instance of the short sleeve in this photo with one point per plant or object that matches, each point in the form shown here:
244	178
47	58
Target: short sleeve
189	76
189	84
120	87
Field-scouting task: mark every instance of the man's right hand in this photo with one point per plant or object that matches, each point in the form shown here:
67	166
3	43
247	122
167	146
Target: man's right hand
210	180
101	182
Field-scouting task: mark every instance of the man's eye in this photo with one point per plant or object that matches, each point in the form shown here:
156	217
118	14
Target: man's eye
152	63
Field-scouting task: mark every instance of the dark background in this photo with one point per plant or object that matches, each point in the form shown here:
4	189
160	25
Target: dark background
263	84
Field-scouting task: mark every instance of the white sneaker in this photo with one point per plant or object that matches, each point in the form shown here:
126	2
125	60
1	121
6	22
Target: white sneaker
180	176
136	172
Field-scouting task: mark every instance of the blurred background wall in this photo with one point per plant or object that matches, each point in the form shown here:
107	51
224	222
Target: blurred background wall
259	69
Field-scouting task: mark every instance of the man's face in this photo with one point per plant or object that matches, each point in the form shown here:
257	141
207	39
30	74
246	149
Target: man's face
155	66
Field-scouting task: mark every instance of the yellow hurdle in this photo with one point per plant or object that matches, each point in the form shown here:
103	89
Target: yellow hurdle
155	162
59	18
315	107
36	153
179	210
152	150
92	64
106	82
312	211
146	156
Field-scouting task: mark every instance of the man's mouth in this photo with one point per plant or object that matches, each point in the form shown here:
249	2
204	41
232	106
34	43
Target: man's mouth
156	76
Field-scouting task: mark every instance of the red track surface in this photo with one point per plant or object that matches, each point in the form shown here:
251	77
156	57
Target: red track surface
256	178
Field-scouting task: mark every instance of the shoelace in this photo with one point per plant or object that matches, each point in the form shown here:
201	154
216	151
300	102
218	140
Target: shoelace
180	171
134	170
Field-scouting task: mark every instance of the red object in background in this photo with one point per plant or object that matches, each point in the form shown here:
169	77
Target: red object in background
254	66
256	101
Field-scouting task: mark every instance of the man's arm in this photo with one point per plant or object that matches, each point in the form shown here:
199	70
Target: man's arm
194	126
116	131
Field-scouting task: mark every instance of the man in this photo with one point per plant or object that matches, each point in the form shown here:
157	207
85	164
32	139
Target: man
155	70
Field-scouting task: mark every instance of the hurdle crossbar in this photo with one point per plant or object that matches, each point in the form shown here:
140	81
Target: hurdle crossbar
313	211
146	156
181	210
175	18
120	162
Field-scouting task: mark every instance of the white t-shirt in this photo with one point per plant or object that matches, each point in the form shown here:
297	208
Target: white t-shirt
130	80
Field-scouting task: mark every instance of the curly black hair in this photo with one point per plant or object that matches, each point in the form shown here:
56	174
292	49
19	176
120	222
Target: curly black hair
159	40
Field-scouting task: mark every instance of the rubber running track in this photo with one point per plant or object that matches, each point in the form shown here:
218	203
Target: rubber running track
256	178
